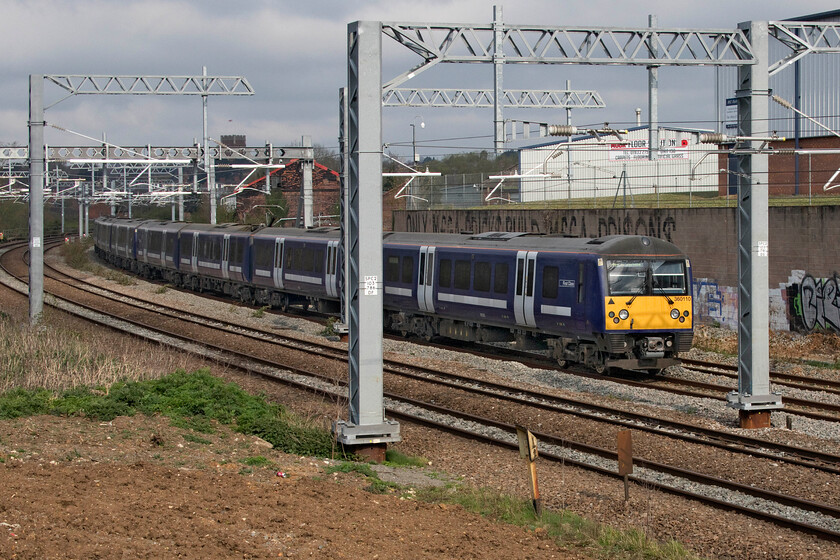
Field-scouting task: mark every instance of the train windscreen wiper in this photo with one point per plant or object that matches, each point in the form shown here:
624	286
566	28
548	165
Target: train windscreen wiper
656	286
639	292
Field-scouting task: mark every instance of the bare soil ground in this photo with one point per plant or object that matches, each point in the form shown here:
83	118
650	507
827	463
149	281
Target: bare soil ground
140	488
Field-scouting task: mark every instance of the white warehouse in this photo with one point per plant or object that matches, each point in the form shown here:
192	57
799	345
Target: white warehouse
606	166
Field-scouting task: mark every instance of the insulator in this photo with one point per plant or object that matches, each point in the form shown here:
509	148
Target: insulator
562	130
783	102
714	138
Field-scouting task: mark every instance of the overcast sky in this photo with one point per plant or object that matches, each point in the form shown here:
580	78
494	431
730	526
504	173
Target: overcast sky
293	53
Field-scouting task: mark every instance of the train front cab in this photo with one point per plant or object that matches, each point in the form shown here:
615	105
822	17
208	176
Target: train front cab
647	313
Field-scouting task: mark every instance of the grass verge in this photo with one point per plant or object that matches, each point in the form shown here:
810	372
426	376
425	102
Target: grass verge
192	400
77	255
565	528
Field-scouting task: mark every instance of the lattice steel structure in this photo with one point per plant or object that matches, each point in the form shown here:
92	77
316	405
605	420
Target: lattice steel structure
366	425
497	44
518	98
88	84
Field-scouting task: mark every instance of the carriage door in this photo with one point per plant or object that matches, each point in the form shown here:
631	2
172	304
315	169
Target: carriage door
523	299
332	269
226	257
277	270
426	280
194	258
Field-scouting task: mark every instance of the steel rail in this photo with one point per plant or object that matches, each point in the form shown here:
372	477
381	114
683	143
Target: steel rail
752	446
223	354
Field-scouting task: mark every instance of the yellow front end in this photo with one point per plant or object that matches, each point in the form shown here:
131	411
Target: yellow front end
648	313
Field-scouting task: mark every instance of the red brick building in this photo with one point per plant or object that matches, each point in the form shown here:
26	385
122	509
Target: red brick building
325	191
815	169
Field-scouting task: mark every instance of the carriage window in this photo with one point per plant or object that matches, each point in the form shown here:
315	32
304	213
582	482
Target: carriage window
155	239
170	244
263	253
236	250
668	277
462	275
308	263
481	283
550	282
638	277
627	278
186	245
318	255
392	269
529	289
445	273
500	280
407	270
580	284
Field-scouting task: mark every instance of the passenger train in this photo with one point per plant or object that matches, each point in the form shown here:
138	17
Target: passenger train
619	301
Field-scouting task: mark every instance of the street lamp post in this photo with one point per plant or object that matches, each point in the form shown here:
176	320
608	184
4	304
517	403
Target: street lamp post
414	138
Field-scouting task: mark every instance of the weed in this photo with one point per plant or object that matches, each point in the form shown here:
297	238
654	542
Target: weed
258	461
395	458
193	401
200	424
161	289
246	470
329	328
377	485
76	254
259	313
564	527
195	439
59	357
72	456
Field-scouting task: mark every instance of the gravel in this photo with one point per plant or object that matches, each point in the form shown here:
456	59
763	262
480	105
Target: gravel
721	534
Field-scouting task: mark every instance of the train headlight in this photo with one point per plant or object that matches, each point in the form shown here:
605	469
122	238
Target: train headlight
685	313
615	320
682	319
623	314
675	313
612	314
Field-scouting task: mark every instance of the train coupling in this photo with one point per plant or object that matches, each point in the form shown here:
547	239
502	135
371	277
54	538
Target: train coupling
652	347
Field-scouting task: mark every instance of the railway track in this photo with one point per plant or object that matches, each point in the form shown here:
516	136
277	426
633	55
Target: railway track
610	415
803	382
330	384
808	408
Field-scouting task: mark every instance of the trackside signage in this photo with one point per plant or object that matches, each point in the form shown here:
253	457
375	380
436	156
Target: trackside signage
633	150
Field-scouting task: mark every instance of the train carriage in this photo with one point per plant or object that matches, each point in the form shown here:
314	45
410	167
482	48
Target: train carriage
157	248
115	239
216	258
611	302
296	267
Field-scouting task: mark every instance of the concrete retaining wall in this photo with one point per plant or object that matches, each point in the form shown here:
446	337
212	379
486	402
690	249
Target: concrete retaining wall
804	251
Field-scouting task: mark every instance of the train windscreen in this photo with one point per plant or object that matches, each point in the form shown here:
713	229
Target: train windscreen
646	277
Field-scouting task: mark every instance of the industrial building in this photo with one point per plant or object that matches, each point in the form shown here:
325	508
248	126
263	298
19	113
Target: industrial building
597	165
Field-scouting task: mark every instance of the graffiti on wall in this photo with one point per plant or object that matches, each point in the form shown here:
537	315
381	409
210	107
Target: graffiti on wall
708	301
814	304
573	223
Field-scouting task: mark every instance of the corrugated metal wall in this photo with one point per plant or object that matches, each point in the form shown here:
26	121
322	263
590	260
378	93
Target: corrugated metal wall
819	79
588	168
